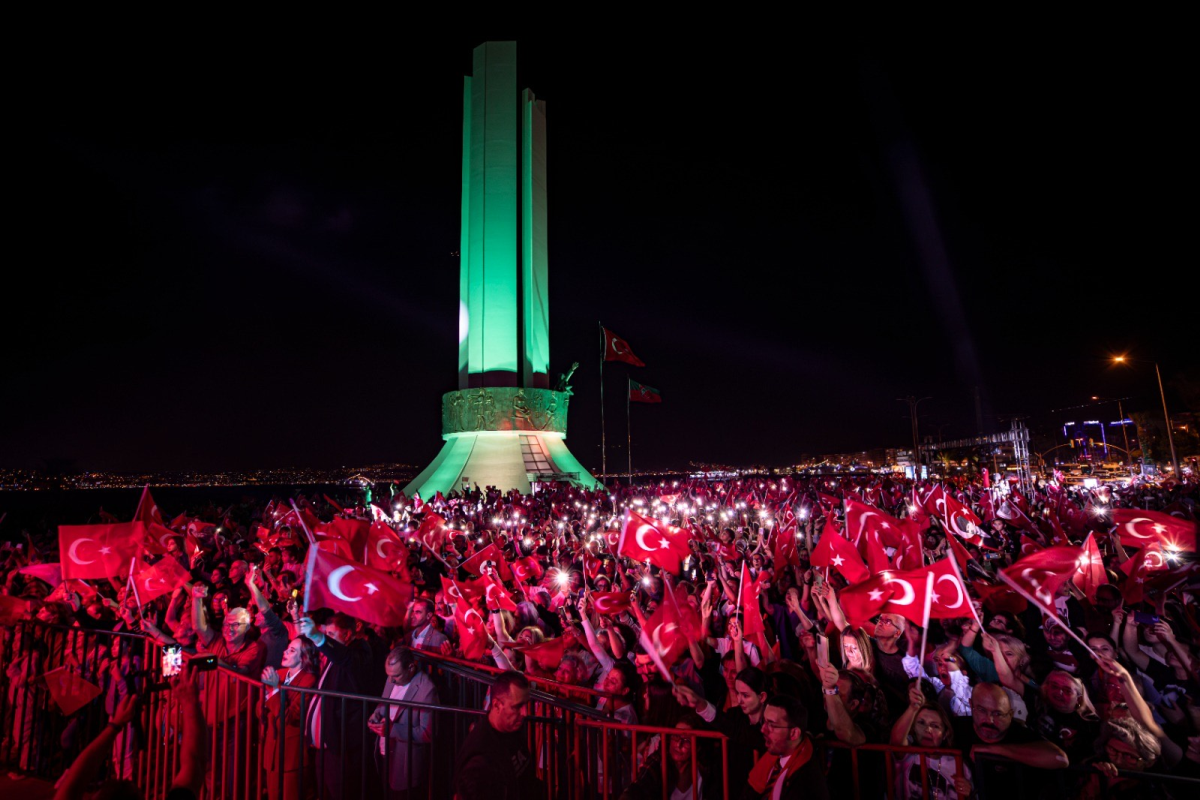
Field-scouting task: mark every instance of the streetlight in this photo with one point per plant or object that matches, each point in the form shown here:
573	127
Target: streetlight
1166	416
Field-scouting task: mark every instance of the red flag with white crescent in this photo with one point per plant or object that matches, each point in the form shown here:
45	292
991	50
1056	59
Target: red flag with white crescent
833	550
159	579
343	584
99	551
644	539
610	604
471	630
1138	528
1090	574
1150	559
1043	572
490	554
617	349
385	549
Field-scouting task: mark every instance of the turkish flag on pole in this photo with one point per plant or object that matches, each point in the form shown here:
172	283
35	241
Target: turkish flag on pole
610	603
950	598
1041	573
751	609
433	531
665	635
354	531
159	579
346	585
472	631
1029	546
641	393
1090	574
490	553
877	558
998	597
961	554
527	569
833	550
147	510
99	551
1138	568
862	520
960	520
865	599
384	549
464	591
547	653
69	691
617	349
1137	528
495	595
645	539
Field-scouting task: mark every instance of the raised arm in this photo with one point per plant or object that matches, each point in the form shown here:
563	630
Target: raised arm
204	634
916	701
840	722
86	768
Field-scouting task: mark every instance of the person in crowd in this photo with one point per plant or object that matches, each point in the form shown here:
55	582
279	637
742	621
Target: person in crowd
1123	745
495	761
422	633
689	771
300	663
335	727
405	733
790	768
925	724
991	731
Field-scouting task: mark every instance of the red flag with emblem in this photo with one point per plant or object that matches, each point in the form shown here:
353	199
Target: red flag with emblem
147	510
69	691
1138	528
495	595
961	554
385	549
491	553
1029	546
547	653
159	579
1090	574
833	550
343	584
465	591
617	349
752	620
1043	572
999	597
472	631
99	551
1150	559
527	569
644	539
433	531
665	634
610	604
353	531
865	599
877	558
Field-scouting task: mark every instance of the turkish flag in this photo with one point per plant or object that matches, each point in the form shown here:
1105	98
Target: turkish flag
385	549
833	550
611	604
1041	573
752	621
865	599
490	553
784	549
1138	568
85	591
664	633
1137	528
950	597
1090	574
1010	513
961	554
959	519
527	569
433	531
69	691
463	591
354	531
617	349
641	393
471	630
343	584
157	537
495	595
864	520
99	551
645	539
159	579
339	546
547	653
1029	546
877	558
147	510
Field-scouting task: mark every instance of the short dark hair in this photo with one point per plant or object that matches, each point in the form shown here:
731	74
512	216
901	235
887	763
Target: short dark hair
505	681
403	655
425	601
793	710
753	677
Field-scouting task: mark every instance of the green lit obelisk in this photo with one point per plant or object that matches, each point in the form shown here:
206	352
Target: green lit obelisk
504	426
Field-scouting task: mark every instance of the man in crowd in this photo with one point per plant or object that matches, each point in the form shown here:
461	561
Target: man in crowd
792	766
495	761
405	733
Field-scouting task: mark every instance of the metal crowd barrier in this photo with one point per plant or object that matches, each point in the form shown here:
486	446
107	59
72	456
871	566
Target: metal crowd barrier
612	758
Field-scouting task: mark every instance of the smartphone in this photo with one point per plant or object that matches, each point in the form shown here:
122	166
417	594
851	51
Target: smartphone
1142	618
822	649
172	660
203	664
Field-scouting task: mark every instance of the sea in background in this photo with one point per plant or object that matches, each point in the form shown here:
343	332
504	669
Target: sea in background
40	512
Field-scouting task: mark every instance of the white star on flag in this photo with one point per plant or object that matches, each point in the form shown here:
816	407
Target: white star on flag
875	595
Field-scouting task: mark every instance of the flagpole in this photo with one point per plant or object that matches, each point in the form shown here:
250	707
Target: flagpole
1047	611
925	616
603	444
629	433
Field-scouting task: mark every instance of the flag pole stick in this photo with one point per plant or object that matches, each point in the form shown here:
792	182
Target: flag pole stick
1047	611
312	540
628	434
603	441
925	617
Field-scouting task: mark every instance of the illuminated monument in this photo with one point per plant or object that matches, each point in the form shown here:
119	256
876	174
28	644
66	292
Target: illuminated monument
504	426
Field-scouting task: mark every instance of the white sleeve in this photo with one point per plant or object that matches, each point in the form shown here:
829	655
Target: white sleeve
709	713
960	704
912	667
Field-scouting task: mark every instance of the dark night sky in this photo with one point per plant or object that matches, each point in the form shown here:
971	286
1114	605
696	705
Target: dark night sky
239	253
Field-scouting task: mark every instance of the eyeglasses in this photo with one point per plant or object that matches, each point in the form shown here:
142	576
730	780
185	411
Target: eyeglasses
779	726
992	714
1121	756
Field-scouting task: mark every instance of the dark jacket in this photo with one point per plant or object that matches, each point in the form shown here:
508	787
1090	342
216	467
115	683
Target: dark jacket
496	766
348	671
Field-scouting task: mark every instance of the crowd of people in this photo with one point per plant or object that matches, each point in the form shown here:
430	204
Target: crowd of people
720	606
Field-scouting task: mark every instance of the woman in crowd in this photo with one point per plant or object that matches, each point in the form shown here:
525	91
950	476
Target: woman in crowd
927	725
300	666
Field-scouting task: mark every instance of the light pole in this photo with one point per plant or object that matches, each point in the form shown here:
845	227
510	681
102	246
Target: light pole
913	402
1166	416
